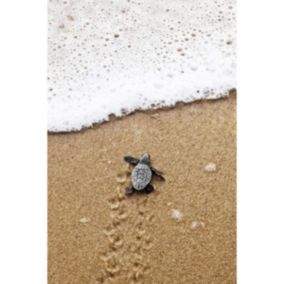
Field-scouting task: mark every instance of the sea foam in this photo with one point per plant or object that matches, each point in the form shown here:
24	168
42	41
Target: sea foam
113	57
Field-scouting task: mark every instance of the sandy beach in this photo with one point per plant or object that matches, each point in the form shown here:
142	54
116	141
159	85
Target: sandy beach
183	232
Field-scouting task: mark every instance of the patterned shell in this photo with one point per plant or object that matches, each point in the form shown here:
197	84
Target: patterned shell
141	176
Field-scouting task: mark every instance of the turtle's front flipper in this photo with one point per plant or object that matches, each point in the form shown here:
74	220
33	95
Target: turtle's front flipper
130	190
149	188
157	173
131	160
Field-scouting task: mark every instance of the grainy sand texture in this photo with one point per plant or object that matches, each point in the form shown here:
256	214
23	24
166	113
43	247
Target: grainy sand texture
183	232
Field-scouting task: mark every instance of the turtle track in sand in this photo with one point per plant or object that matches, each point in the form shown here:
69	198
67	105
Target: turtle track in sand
112	258
127	261
139	262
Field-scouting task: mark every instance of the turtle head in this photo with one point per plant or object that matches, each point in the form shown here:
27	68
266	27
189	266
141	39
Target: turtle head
145	159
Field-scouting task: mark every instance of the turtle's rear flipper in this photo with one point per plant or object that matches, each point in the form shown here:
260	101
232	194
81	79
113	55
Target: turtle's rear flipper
149	188
131	160
157	173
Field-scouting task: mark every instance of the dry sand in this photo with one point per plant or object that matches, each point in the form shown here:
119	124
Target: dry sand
183	232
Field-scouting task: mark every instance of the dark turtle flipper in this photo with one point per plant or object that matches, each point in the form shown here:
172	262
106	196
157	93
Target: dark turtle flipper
157	173
149	188
131	160
130	190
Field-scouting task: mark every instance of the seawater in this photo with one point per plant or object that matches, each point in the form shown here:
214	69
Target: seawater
114	57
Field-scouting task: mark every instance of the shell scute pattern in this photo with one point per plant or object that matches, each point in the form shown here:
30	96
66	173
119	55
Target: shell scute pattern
141	176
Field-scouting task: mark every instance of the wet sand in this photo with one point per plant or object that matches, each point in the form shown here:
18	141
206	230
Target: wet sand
183	232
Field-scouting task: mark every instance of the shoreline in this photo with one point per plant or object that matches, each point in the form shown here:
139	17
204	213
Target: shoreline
112	117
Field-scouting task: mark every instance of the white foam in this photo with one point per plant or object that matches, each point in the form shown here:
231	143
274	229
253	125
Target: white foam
113	57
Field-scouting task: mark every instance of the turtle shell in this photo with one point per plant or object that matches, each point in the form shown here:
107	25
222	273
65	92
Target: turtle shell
141	176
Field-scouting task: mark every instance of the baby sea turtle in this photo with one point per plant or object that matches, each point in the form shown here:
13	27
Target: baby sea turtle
141	176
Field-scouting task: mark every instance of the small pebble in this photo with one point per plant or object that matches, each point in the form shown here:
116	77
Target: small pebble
177	215
196	225
211	167
84	220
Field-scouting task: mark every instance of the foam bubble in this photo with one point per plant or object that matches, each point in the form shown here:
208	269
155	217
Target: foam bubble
113	57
